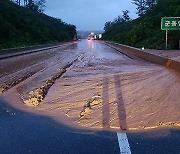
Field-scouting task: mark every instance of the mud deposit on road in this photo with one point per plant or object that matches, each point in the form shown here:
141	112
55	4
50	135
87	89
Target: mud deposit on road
17	69
104	89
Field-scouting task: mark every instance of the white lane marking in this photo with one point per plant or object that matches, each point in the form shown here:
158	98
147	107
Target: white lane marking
123	143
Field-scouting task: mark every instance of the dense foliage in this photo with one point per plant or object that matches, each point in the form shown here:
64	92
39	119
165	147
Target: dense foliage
20	26
145	31
35	5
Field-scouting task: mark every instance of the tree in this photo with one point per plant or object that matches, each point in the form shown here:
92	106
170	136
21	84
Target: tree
118	20
141	6
35	5
144	5
107	25
125	15
150	4
41	5
31	5
25	2
18	2
38	5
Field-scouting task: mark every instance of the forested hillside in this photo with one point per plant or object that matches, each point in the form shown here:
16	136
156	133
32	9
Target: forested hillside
145	31
22	26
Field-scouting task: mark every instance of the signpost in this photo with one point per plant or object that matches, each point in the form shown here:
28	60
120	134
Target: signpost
170	23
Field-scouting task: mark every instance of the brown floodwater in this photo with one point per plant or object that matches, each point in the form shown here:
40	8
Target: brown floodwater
100	89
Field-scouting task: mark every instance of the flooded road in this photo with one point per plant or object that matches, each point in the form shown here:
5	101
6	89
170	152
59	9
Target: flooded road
90	85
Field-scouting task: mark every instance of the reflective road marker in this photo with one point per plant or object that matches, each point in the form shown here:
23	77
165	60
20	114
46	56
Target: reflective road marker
123	143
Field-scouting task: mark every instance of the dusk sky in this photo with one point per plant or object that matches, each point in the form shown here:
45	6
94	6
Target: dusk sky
88	14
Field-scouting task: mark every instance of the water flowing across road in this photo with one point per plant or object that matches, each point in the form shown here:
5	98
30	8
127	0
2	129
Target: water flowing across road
90	85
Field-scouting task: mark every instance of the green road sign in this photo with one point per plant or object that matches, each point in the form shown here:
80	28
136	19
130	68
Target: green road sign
170	23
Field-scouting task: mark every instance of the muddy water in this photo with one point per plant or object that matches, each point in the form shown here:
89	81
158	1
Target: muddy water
13	70
104	89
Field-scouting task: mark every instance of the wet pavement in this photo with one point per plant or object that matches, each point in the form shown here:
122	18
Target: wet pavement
92	86
22	132
75	99
16	68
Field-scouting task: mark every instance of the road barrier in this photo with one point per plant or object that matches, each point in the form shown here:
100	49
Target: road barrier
138	53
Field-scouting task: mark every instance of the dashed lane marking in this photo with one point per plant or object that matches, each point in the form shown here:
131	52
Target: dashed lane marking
123	143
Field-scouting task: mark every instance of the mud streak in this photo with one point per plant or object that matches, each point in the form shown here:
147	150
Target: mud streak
120	103
105	103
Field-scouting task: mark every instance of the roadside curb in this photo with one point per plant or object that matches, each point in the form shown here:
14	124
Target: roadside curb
135	52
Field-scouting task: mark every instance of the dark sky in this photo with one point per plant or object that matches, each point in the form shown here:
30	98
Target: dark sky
88	14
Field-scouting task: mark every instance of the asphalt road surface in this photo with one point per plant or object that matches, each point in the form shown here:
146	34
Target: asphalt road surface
105	102
23	132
